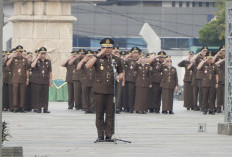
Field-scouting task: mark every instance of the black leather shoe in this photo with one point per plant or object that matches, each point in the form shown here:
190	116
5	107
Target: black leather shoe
151	110
109	139
171	112
205	112
188	108
164	112
212	112
157	111
87	112
15	110
131	111
99	139
70	107
37	111
219	111
117	111
21	110
46	111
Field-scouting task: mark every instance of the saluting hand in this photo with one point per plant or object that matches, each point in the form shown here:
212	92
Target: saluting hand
102	52
85	59
123	83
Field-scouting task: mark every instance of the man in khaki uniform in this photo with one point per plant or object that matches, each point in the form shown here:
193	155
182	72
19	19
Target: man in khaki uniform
77	79
188	89
28	105
69	75
197	78
88	76
6	71
131	74
156	75
43	80
169	83
20	79
219	60
32	77
209	70
123	103
103	87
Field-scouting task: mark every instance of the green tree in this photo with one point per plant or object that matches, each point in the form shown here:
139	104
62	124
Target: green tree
213	33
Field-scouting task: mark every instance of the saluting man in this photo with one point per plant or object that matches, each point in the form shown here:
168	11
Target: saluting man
208	83
103	87
69	75
188	89
88	76
20	78
43	80
169	83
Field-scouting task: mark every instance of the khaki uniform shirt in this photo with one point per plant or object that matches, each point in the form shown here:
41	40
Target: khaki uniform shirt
70	72
104	77
43	69
88	75
156	74
19	67
143	75
209	75
130	69
77	73
188	73
169	77
7	73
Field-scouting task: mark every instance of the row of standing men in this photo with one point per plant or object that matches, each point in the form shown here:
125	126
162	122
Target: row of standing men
204	81
145	78
26	80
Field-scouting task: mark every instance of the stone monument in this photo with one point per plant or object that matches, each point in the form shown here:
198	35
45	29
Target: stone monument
47	23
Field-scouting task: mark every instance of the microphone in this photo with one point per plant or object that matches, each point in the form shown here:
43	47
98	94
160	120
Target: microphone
114	69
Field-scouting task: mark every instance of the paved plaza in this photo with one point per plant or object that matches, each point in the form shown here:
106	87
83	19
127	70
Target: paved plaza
71	133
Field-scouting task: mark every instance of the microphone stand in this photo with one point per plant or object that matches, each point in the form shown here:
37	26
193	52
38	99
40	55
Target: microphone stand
114	103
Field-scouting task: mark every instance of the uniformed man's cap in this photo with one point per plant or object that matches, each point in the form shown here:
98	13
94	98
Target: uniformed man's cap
4	53
81	51
36	52
29	53
89	52
116	48
74	52
135	50
204	48
19	48
42	50
107	42
222	48
168	58
153	53
95	52
123	53
191	52
14	50
162	54
209	54
8	52
24	52
148	55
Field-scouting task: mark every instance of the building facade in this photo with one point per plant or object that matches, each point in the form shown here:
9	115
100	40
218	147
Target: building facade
177	22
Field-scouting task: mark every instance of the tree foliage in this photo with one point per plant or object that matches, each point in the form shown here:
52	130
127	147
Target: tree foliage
213	33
